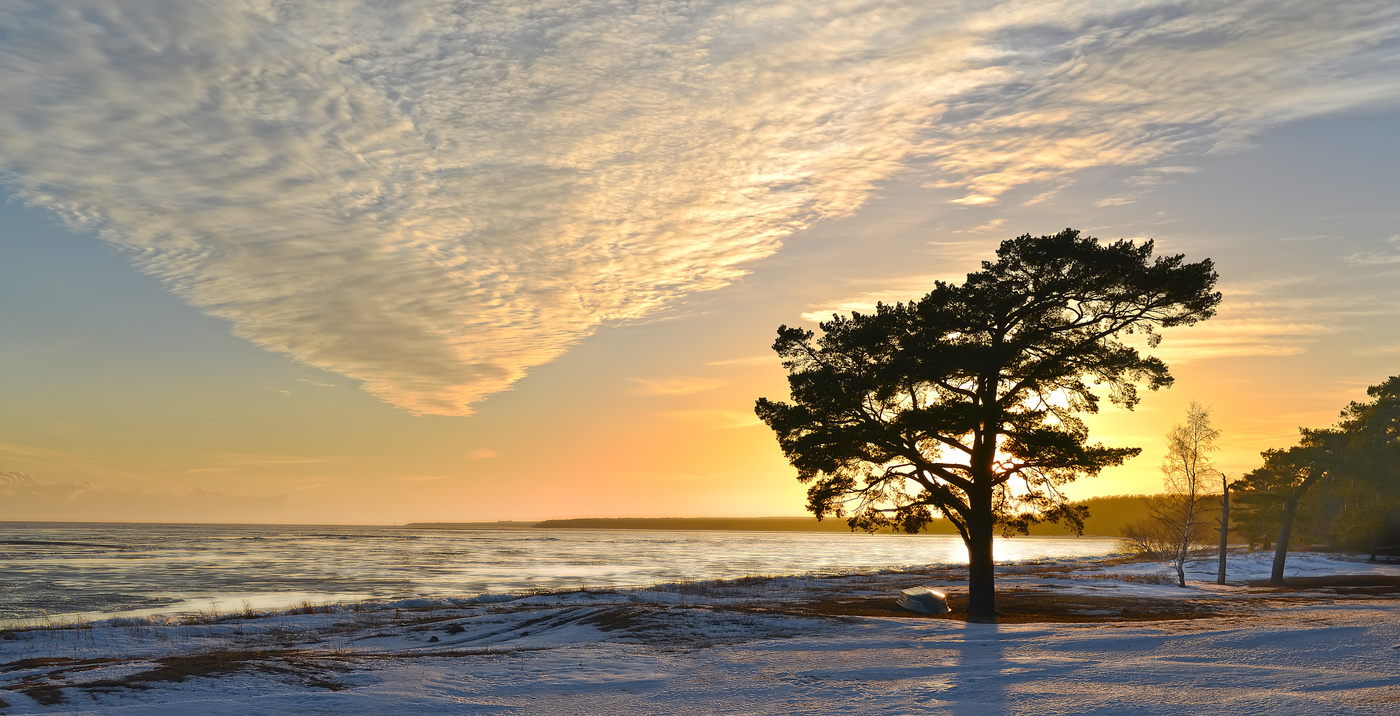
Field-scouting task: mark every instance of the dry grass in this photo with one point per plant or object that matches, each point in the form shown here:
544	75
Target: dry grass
1150	578
67	664
1372	584
44	692
1020	606
306	667
47	689
309	607
615	619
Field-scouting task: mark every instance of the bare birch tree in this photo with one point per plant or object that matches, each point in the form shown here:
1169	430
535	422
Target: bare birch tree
1188	471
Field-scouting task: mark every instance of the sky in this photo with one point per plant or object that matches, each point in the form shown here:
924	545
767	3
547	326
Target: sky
349	262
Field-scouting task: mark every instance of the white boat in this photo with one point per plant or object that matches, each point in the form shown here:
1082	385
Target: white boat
924	600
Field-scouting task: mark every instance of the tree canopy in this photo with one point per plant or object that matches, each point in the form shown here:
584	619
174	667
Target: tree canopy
965	403
1369	479
1355	463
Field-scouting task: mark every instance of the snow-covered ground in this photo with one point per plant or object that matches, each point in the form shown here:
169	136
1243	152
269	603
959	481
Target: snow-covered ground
815	644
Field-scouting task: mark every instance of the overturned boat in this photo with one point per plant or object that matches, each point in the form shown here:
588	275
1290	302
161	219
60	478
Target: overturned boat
924	600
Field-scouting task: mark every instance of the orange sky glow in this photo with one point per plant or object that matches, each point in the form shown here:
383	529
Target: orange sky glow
368	265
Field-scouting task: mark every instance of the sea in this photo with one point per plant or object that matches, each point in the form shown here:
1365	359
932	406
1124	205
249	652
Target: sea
55	572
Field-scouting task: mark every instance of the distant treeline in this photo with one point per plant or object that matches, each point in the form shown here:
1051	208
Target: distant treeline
501	525
751	524
1107	515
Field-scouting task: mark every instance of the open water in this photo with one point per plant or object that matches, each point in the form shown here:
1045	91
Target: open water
55	570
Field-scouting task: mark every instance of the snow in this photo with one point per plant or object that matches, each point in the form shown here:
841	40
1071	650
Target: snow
1253	566
752	646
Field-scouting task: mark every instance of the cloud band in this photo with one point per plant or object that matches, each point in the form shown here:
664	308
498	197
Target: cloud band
432	198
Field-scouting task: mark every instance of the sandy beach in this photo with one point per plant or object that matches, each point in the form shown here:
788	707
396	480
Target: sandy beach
1091	636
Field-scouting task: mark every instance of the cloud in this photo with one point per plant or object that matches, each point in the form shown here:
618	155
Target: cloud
763	360
1259	318
1383	256
259	462
1225	337
431	198
23	497
715	418
10	480
1276	317
991	226
1380	350
898	290
1132	83
675	386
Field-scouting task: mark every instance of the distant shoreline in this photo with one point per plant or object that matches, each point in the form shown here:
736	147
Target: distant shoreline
1107	517
744	524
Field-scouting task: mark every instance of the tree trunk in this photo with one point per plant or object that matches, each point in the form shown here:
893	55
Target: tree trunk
981	577
1285	529
1224	526
1185	548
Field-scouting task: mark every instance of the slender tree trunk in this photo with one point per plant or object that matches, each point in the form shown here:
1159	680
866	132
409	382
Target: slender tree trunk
981	575
1224	525
1185	546
1285	529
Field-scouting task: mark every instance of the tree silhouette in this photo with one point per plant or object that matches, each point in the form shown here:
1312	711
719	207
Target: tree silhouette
1359	457
1292	473
1369	480
965	402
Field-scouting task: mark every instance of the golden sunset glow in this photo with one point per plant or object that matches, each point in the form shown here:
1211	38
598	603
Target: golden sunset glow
361	264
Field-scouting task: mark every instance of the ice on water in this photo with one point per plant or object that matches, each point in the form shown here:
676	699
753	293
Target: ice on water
87	571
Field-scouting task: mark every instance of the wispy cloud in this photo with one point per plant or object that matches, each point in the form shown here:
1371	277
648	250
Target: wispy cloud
714	418
1141	185
1282	316
263	461
1258	318
1226	337
681	385
432	198
1380	256
236	463
897	290
768	360
989	227
23	497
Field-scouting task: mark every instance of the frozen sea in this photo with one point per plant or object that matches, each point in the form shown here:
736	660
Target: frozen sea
59	571
756	647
